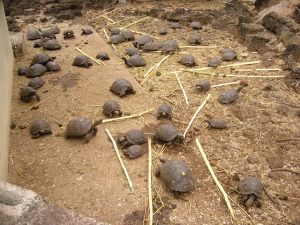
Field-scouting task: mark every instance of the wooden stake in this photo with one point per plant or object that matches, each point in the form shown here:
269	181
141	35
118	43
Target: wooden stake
119	157
150	182
216	180
198	110
90	57
184	94
126	117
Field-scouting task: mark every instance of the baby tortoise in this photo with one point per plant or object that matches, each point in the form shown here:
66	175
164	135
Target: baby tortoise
86	31
176	175
41	58
68	34
175	25
150	46
229	96
141	40
203	85
194	39
52	45
52	66
114	31
132	51
36	83
135	61
112	108
164	110
116	39
214	62
132	137
36	70
39	127
102	56
187	60
33	35
22	70
55	29
38	43
170	46
26	94
196	25
82	61
228	54
252	189
122	87
82	127
134	151
163	31
47	33
168	133
217	123
128	35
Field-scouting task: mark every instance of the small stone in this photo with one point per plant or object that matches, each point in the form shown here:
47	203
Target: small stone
252	159
274	162
276	175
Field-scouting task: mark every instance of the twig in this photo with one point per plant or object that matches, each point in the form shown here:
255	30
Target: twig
90	57
198	110
286	169
108	38
184	94
122	28
20	174
264	69
288	139
119	157
216	180
106	18
228	75
127	117
218	85
138	32
229	65
187	46
150	182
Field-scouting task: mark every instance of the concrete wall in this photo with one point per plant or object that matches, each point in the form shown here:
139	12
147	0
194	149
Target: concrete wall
6	77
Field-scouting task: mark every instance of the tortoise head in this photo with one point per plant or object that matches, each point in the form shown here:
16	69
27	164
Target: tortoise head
163	159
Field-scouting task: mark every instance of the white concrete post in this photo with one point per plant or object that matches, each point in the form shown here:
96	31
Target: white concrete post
6	78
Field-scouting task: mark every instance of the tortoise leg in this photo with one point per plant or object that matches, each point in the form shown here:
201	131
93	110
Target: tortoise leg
37	97
95	131
122	94
36	135
244	199
259	203
250	200
177	195
169	143
87	137
157	172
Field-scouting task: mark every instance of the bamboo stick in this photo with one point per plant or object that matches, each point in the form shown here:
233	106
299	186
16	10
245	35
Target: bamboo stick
150	182
127	117
182	89
119	157
90	57
216	180
198	110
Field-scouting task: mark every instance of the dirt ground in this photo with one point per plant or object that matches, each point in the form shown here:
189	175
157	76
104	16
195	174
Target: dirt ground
262	134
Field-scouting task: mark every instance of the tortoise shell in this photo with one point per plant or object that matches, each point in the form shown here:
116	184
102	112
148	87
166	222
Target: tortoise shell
176	175
122	87
52	45
214	62
132	51
48	33
217	123
55	29
114	31
82	60
132	137
127	35
110	107
134	151
22	70
196	25
116	39
52	66
229	96
68	34
187	60
36	83
36	70
86	31
251	185
142	40
102	56
164	110
194	39
175	25
170	46
203	85
150	46
166	132
38	127
41	58
163	31
136	61
27	92
229	54
33	35
38	43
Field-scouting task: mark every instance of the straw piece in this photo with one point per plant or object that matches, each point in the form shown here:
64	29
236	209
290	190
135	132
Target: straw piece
216	180
218	85
184	94
122	28
187	46
198	110
229	75
230	65
150	182
138	32
108	38
127	117
119	157
90	57
106	18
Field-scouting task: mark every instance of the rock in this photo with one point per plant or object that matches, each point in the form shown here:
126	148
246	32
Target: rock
276	175
248	28
260	42
274	162
252	159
